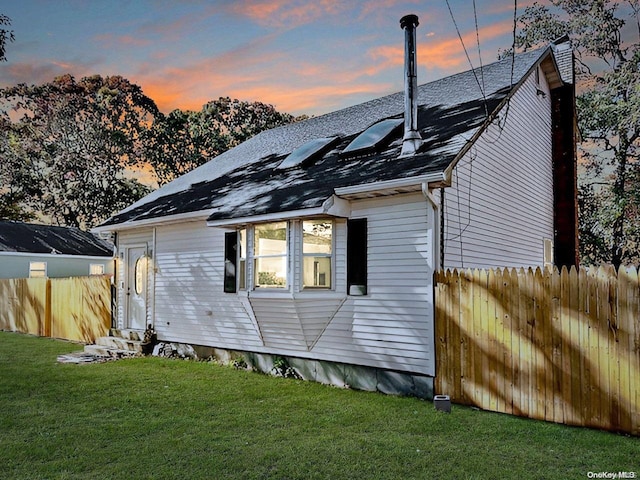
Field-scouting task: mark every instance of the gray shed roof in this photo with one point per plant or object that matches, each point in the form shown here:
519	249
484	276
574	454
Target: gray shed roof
48	239
245	180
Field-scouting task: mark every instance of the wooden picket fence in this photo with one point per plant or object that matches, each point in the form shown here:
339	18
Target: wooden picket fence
561	346
77	308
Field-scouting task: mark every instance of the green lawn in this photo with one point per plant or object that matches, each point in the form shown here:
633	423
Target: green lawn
156	418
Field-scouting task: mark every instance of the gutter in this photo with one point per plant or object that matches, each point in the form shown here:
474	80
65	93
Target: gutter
332	206
370	188
165	220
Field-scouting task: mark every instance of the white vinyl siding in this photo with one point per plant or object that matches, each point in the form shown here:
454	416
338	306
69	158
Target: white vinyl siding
190	304
390	327
499	208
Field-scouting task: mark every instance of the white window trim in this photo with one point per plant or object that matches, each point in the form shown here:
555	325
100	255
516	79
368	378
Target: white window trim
245	257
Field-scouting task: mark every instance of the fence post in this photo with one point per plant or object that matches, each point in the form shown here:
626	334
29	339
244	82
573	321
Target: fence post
46	330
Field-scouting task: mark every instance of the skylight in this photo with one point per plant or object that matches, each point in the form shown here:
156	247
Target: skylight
307	151
373	137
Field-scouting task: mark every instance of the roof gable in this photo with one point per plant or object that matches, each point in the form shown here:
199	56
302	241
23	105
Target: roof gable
48	239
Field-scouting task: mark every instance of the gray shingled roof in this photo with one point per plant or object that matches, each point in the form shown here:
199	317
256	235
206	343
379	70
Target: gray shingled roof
32	238
244	181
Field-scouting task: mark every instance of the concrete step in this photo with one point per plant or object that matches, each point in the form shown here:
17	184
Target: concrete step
117	343
120	343
127	334
108	352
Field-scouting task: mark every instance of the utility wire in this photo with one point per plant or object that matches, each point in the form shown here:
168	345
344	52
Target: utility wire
483	89
484	98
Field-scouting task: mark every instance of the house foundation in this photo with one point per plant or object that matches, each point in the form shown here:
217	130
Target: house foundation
341	375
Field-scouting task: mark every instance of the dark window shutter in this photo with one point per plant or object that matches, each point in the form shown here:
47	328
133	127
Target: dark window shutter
230	260
357	256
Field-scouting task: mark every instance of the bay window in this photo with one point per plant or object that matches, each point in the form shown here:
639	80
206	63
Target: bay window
285	255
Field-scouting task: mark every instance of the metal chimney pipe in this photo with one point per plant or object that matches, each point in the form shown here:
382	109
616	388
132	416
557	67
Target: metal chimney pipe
412	140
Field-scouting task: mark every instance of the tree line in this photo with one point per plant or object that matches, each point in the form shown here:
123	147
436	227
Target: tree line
69	147
606	39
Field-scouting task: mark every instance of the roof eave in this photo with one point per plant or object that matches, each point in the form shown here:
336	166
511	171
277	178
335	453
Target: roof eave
332	207
149	222
390	187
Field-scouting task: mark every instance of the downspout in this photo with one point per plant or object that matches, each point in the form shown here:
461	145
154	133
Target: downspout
153	279
442	227
436	227
114	282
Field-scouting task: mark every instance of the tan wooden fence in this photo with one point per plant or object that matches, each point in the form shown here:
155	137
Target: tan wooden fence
557	346
77	308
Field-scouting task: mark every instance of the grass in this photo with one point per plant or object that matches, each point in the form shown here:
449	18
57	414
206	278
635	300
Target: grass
151	418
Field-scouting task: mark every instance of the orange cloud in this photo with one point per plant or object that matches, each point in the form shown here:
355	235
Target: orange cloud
256	72
445	54
288	13
323	98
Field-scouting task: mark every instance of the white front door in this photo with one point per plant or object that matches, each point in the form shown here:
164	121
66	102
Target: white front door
136	287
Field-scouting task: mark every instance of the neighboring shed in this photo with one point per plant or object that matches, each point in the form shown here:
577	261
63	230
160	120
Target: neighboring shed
318	241
30	250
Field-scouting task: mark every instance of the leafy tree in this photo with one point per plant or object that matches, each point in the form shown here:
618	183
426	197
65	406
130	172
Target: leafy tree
607	65
75	141
15	180
5	37
184	140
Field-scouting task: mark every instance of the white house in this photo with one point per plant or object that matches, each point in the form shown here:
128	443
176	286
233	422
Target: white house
317	241
32	250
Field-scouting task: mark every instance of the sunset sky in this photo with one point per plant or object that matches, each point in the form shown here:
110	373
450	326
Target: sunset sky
304	57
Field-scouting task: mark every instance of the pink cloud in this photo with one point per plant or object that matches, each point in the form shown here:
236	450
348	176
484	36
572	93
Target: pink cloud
288	13
313	98
434	53
126	40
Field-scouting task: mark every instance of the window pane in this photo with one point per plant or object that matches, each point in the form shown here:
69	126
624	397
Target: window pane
270	255
307	151
96	269
37	269
271	239
242	279
373	137
242	240
317	248
271	271
140	274
316	236
317	272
